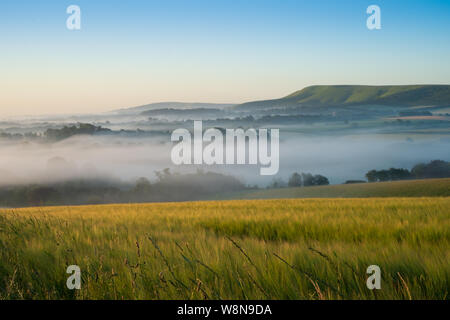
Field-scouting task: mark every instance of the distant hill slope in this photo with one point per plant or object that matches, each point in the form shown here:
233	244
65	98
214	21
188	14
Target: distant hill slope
406	188
184	112
348	95
173	105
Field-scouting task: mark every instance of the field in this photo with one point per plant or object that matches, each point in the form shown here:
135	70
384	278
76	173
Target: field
406	188
242	249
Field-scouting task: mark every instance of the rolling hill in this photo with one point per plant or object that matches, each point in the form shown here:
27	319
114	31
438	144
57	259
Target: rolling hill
172	105
356	95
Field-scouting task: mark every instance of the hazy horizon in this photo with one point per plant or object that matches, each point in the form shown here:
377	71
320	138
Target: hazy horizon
112	109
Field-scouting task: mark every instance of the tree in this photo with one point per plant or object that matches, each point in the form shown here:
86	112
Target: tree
372	176
399	174
418	171
164	174
319	180
308	179
277	183
383	175
295	180
434	169
437	169
143	186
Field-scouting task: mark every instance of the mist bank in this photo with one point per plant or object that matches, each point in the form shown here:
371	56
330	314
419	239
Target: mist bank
98	166
127	158
339	143
168	187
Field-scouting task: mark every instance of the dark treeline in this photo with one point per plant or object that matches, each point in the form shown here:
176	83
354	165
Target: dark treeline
53	135
66	131
183	187
167	187
307	180
301	180
433	169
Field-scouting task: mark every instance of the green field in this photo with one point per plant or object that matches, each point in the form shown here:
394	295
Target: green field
243	249
406	188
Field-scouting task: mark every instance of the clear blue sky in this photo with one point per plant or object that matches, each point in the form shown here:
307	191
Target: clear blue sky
135	52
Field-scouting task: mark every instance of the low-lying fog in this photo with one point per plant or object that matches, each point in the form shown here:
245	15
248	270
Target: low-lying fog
339	158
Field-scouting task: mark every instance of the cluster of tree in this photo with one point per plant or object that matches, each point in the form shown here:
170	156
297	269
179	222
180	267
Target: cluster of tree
300	180
392	174
51	135
433	169
66	132
307	179
183	187
167	187
18	136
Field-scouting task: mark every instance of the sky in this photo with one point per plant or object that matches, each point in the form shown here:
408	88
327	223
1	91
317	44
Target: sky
130	53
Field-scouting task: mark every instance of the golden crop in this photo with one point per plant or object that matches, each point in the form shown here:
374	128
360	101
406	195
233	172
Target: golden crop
245	249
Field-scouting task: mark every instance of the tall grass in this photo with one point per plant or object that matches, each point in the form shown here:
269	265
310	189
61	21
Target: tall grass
250	249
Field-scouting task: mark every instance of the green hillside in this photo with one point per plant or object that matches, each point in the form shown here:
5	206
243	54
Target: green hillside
348	95
406	188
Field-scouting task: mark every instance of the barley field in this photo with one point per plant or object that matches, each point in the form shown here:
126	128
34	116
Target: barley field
241	249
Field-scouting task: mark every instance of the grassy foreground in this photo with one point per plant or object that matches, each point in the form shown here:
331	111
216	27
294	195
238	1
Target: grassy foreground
248	249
